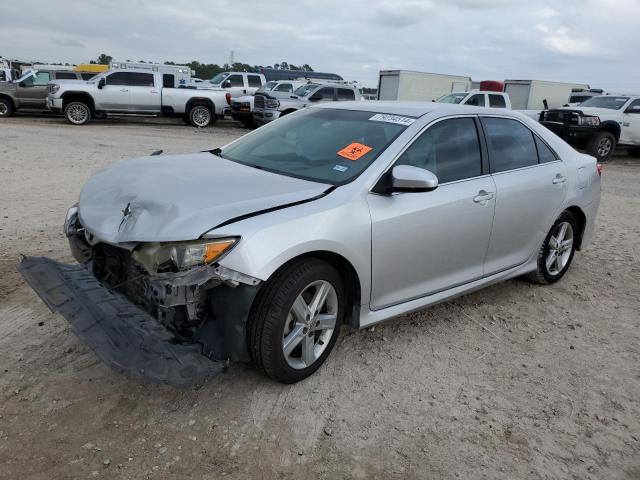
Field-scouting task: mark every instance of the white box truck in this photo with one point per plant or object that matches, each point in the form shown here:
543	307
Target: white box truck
531	94
420	86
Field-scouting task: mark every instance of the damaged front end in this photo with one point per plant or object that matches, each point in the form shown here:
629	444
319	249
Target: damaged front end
165	311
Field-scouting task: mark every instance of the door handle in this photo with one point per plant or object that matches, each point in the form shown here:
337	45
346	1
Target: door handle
124	90
154	91
559	179
483	196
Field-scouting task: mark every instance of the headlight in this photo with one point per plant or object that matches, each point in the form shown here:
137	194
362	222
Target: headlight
167	257
54	88
271	103
70	220
588	121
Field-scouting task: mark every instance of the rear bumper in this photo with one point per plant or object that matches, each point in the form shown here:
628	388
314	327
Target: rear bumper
123	336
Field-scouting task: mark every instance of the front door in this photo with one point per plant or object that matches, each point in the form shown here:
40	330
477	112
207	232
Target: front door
115	95
423	243
531	184
32	91
630	134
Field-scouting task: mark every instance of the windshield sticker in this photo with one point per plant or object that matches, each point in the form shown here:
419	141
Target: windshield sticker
354	151
340	168
383	117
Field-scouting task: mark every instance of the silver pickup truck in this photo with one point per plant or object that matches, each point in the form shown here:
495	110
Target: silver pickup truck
133	91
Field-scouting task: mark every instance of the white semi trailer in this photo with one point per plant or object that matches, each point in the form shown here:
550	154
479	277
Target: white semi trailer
532	94
419	86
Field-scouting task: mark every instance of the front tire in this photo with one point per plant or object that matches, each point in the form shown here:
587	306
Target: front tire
201	116
296	320
557	250
602	146
77	113
6	107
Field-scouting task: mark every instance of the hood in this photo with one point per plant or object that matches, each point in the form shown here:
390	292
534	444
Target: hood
180	197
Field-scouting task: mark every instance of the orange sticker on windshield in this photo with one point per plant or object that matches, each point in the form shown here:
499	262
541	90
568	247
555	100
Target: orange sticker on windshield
354	151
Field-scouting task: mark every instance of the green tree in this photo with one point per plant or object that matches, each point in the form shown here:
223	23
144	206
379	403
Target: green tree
104	59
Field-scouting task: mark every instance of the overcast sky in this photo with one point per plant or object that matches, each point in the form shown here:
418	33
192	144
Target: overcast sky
584	41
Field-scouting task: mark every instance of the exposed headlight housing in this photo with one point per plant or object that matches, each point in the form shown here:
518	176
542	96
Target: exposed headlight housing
588	121
70	220
54	88
272	103
176	256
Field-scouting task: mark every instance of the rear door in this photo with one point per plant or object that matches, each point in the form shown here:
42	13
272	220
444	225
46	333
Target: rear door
254	82
144	93
115	94
631	124
531	184
237	87
346	94
423	243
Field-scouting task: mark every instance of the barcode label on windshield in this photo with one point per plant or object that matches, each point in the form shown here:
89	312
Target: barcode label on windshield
383	117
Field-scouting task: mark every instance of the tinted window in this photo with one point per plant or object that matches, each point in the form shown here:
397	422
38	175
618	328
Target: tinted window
497	101
119	78
3	76
284	87
450	149
41	78
131	79
326	93
346	94
236	80
168	80
142	80
66	76
87	76
477	100
635	103
511	144
545	154
254	81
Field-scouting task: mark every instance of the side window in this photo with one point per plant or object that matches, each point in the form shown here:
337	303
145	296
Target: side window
450	149
545	154
42	78
497	101
636	104
326	92
477	100
254	80
142	80
284	87
87	76
168	80
66	75
236	80
3	76
346	94
511	144
119	78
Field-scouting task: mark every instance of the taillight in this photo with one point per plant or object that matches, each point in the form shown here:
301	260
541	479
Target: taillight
228	97
599	169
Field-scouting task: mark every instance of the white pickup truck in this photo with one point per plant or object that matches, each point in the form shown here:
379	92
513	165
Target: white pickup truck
135	91
598	125
238	84
478	98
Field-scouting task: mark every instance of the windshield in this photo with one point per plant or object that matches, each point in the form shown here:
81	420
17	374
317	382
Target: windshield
318	144
453	98
303	90
219	78
267	87
610	102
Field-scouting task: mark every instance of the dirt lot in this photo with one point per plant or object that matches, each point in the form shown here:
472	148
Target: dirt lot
515	381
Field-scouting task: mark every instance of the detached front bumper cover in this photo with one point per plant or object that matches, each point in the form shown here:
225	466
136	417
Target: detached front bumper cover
123	336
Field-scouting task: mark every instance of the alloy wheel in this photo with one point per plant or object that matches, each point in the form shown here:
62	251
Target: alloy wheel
3	109
77	114
604	147
310	324
201	116
560	247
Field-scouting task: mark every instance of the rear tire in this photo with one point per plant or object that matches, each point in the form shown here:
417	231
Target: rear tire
77	113
201	116
6	107
557	250
602	146
288	339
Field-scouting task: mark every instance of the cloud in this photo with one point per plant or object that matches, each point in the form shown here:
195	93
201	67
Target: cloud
67	42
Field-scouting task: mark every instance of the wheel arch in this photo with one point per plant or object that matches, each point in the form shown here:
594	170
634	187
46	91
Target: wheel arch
581	220
348	274
69	97
192	102
8	97
611	127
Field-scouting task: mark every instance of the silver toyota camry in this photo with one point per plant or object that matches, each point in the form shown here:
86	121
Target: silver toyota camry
349	213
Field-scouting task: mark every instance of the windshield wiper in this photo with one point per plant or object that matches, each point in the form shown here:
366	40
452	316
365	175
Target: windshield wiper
216	151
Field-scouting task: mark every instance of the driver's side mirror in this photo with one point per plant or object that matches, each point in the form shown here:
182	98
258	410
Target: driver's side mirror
634	109
406	178
101	83
226	84
315	97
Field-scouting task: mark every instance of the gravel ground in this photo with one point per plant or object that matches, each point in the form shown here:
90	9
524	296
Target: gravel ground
514	381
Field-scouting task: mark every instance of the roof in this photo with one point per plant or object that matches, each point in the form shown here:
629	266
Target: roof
413	109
